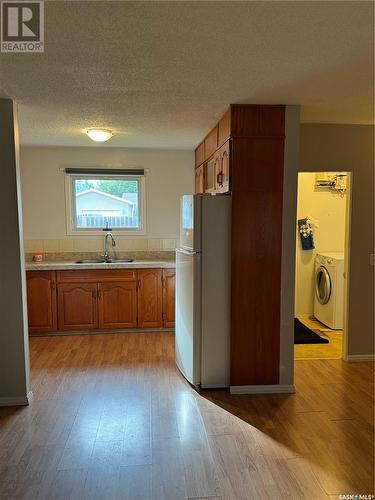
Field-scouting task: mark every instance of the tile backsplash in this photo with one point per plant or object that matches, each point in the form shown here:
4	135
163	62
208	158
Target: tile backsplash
96	245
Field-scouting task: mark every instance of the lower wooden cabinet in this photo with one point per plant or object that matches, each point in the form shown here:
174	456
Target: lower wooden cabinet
77	306
41	301
150	298
89	300
117	305
169	278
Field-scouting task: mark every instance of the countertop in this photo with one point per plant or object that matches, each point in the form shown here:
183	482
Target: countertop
64	265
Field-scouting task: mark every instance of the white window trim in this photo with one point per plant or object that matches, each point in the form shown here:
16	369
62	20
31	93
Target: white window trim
70	201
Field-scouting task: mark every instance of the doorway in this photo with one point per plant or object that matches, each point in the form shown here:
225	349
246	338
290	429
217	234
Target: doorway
321	267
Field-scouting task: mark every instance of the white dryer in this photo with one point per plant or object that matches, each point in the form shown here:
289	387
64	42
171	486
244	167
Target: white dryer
329	289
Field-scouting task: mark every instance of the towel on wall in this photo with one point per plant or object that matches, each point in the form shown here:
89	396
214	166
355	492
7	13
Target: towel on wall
306	234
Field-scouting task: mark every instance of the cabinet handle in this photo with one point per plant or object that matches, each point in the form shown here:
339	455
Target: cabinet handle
219	178
53	285
99	294
94	294
139	284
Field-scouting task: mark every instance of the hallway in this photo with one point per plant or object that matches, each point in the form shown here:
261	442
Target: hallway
113	419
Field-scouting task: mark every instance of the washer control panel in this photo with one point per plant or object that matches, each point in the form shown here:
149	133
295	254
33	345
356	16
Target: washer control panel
323	260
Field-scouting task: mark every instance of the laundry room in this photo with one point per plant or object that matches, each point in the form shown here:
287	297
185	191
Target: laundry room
320	285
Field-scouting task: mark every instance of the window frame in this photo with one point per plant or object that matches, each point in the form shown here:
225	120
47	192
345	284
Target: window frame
70	204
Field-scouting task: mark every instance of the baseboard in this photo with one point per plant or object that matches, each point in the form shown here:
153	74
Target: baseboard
214	386
102	332
262	389
17	400
360	357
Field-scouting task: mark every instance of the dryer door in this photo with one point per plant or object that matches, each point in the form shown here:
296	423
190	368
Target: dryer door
322	285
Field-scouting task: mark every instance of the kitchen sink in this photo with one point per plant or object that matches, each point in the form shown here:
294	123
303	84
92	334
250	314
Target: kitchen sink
101	261
90	261
120	261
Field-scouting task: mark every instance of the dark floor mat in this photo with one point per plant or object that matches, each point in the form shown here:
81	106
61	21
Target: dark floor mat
303	334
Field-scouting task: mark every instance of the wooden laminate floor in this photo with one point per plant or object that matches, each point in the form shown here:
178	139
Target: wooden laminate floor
113	419
332	350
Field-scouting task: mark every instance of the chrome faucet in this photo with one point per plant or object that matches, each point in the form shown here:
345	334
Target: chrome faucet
108	236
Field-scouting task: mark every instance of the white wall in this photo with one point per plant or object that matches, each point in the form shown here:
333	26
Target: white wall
328	209
43	191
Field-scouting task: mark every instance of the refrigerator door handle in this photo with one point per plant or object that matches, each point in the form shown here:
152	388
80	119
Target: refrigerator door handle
187	252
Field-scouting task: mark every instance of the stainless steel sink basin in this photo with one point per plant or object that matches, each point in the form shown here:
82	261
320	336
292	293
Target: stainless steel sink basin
120	261
101	261
90	261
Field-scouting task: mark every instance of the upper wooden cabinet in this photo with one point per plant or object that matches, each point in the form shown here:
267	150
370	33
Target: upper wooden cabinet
211	173
210	143
257	120
199	154
169	277
222	177
41	301
224	128
150	305
240	121
200	179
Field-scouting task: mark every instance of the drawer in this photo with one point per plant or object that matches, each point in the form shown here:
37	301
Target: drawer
96	275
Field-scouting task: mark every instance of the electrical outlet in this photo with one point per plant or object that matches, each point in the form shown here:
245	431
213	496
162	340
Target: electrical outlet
372	259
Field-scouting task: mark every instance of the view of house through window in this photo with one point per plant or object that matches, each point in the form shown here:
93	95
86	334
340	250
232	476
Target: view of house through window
106	202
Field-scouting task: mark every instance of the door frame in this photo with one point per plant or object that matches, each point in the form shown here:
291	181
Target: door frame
347	247
348	239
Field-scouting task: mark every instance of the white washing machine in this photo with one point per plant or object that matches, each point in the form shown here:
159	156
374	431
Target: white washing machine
329	289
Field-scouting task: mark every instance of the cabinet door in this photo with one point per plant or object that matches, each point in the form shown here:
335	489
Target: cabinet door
117	304
77	306
150	298
199	154
41	301
210	143
210	176
224	128
223	177
213	169
199	179
169	297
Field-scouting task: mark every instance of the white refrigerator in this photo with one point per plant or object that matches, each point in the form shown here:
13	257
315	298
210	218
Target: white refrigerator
203	290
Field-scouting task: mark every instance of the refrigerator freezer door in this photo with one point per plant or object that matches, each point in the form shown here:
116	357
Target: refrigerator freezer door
188	315
187	222
190	222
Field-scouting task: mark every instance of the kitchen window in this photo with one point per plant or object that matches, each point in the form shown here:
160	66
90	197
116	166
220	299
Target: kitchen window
99	199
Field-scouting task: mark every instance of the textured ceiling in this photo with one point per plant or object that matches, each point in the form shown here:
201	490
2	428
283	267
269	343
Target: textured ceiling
161	73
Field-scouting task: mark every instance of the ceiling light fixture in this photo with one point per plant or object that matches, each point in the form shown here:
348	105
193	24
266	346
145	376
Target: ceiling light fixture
99	134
